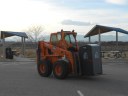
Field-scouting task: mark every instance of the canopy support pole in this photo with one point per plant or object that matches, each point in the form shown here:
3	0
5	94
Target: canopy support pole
116	40
3	41
99	37
24	46
89	39
22	39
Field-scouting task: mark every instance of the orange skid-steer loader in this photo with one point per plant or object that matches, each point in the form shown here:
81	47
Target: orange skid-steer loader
62	56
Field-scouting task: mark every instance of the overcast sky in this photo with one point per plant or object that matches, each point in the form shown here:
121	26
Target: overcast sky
54	15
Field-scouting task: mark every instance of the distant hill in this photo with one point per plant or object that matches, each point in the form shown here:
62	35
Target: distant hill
95	38
103	38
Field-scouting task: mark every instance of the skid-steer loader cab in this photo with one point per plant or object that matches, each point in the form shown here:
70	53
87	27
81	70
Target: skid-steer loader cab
53	39
71	40
65	40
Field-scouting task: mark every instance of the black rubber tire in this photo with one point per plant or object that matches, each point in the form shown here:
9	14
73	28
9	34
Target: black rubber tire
64	69
46	70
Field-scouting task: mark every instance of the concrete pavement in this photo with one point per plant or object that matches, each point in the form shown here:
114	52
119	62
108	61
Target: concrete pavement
22	79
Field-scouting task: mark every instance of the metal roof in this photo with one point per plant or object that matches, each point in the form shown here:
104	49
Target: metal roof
5	34
103	29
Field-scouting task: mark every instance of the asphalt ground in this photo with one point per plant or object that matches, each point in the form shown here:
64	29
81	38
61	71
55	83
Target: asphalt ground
22	79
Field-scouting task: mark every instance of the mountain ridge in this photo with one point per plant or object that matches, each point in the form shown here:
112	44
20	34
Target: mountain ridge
123	38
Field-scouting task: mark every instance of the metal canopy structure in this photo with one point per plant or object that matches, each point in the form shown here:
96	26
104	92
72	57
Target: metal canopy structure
99	29
103	29
5	34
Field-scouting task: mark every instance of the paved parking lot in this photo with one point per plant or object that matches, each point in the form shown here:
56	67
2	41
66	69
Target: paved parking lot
22	79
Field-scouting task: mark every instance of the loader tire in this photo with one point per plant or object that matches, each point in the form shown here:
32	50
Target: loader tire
60	69
44	68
